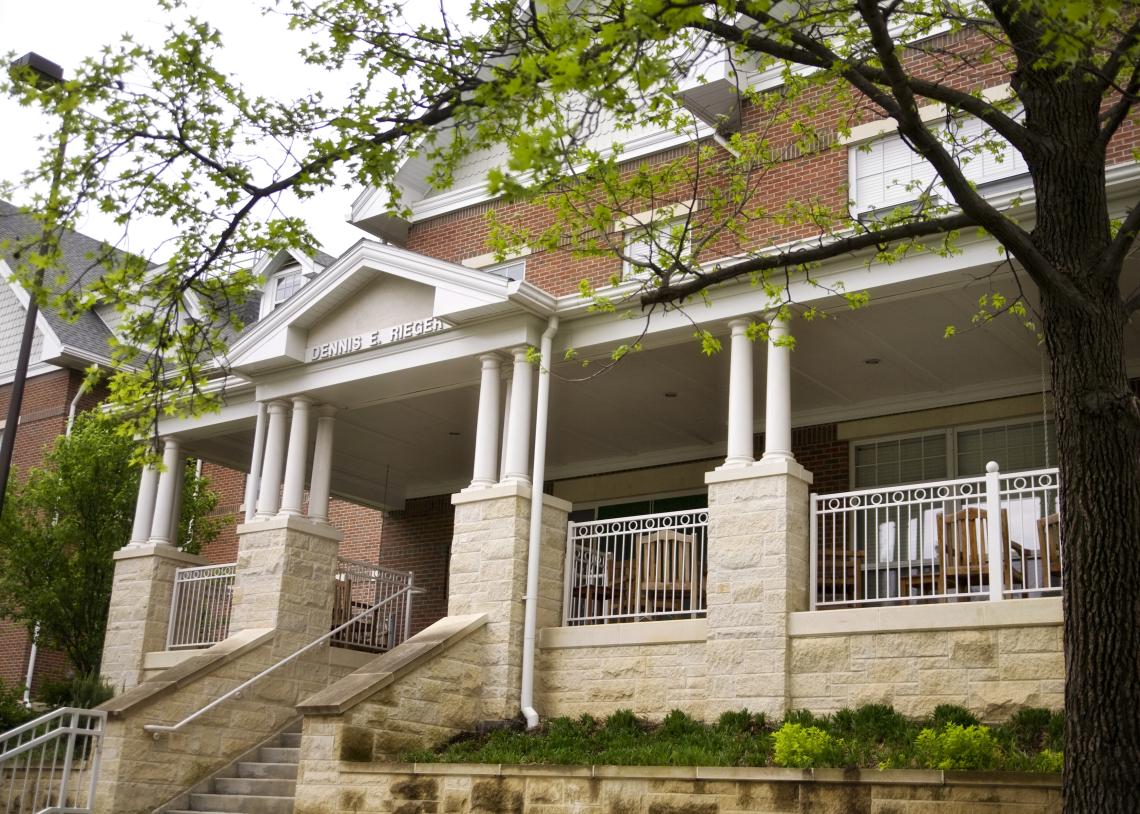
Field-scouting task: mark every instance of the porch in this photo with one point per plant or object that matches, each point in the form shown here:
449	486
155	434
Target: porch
993	537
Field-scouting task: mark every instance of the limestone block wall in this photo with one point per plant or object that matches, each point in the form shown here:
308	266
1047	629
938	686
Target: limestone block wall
488	575
648	667
491	789
139	613
139	772
757	575
992	672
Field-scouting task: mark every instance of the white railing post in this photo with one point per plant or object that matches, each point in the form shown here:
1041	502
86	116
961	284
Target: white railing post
408	606
995	542
174	618
813	551
568	573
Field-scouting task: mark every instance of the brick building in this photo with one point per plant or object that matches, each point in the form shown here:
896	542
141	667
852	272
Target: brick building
870	517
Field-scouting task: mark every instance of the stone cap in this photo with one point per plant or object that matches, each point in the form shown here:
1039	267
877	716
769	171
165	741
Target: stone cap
879	777
391	666
507	489
197	666
166	552
304	525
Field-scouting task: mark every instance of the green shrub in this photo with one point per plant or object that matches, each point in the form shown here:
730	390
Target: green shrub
1049	760
84	691
1056	737
1028	729
622	722
872	723
12	710
952	714
957	747
805	747
742	722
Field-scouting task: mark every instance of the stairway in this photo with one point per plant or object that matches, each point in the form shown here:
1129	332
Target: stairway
266	785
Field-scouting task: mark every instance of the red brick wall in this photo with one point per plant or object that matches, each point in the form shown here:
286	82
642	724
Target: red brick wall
818	450
818	177
418	539
43	418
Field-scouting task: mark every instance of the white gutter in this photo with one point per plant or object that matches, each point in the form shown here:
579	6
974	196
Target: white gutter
71	408
538	474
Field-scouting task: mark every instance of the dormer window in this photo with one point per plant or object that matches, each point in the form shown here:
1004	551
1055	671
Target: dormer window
286	283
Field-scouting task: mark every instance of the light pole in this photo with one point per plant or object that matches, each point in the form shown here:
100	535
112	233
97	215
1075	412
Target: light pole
45	72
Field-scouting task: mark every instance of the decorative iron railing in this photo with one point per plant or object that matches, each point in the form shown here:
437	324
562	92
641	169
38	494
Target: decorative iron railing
993	537
636	568
357	586
51	764
200	606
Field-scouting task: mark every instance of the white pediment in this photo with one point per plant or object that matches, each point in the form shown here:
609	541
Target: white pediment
374	294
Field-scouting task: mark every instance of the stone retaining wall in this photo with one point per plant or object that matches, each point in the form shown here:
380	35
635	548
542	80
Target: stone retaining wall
350	788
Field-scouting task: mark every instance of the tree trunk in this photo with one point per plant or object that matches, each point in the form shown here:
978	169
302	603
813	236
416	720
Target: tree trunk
1098	440
1098	435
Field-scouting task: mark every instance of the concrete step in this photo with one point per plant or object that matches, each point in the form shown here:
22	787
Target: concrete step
241	804
256	786
279	754
275	771
290	740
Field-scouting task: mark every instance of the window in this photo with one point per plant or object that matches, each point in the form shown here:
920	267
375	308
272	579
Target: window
658	244
286	283
651	505
958	452
886	173
901	460
1027	445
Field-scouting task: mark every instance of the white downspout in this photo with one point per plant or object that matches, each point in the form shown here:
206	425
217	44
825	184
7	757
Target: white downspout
71	408
537	476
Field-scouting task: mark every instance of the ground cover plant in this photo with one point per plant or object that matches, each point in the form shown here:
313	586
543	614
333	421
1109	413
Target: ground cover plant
870	736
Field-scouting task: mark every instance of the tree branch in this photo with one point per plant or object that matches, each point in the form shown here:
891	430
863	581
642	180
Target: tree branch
864	240
1016	240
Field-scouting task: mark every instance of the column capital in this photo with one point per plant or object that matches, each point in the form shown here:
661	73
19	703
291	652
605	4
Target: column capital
491	361
171	440
739	325
520	352
277	406
327	411
301	401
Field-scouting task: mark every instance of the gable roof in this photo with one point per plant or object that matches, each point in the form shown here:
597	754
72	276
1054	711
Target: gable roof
88	333
461	295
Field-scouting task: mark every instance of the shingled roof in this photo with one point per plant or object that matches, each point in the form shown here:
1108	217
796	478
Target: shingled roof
80	267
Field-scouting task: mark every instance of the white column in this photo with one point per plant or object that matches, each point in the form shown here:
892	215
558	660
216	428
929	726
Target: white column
176	505
319	484
144	506
269	490
167	484
296	464
486	467
506	429
778	403
740	415
254	478
518	425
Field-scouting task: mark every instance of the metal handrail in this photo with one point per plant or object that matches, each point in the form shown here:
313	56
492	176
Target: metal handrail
158	729
79	756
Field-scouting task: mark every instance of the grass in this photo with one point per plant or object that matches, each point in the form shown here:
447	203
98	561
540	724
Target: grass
870	736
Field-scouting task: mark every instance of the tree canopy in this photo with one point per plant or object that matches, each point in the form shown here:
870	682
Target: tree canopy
61	526
160	132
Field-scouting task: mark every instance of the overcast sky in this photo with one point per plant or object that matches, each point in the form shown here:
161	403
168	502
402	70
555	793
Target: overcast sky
258	48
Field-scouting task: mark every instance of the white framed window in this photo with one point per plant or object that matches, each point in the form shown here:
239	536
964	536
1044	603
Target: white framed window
281	286
902	459
886	173
658	244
